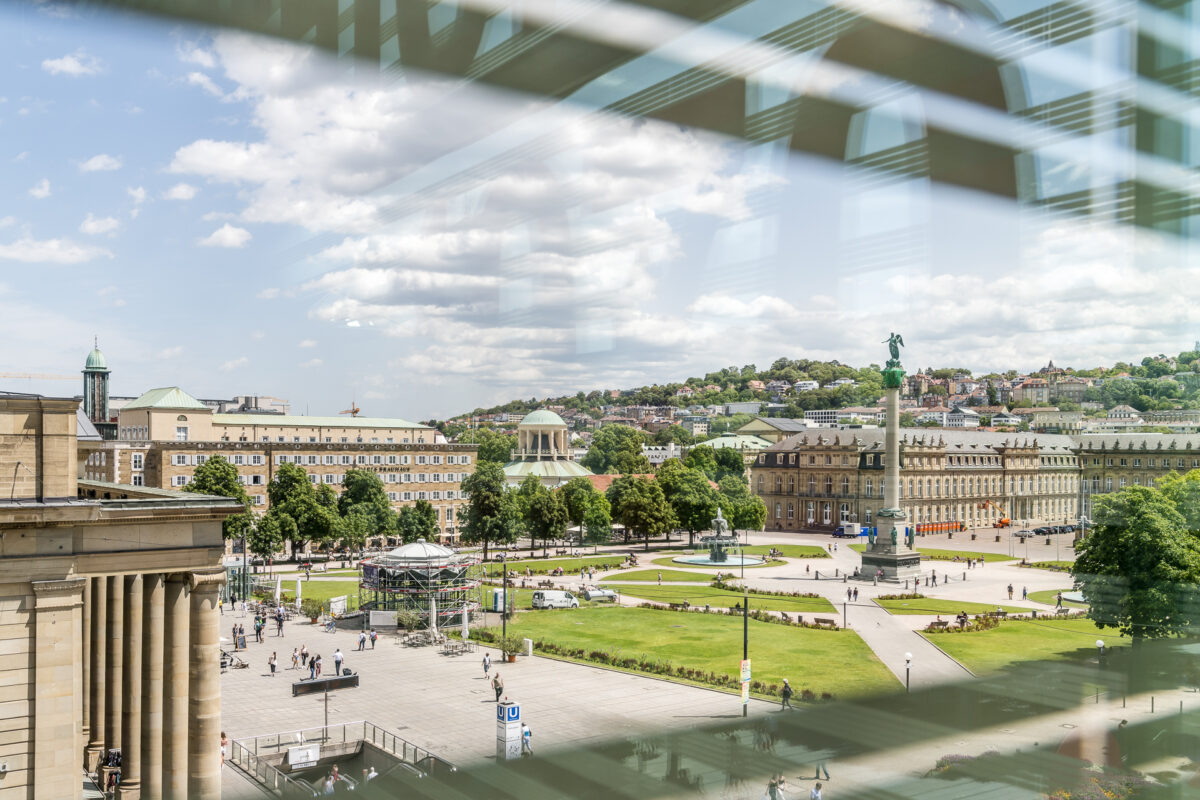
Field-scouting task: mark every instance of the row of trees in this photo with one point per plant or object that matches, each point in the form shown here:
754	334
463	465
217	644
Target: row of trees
302	512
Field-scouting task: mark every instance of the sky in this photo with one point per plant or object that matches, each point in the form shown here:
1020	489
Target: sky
236	215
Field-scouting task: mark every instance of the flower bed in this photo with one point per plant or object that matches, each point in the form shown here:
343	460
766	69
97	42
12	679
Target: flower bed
904	596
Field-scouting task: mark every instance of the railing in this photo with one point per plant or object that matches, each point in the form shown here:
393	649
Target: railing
266	775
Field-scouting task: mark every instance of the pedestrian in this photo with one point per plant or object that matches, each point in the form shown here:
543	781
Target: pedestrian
303	655
295	658
370	775
815	794
235	639
786	692
328	789
526	740
271	663
856	594
279	623
849	594
224	747
338	658
773	788
487	664
374	636
1010	591
821	768
1024	592
317	658
498	685
781	786
660	579
312	668
221	604
362	641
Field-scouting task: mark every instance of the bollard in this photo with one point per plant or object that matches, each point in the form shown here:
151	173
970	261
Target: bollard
906	584
1098	698
876	580
1151	704
964	576
835	572
845	578
818	574
1180	706
1122	701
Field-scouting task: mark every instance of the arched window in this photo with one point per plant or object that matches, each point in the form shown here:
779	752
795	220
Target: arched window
826	513
791	511
778	484
828	484
844	512
791	484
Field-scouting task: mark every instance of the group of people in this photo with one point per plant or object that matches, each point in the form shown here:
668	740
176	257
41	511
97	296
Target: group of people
971	562
852	594
777	786
363	636
1025	593
336	783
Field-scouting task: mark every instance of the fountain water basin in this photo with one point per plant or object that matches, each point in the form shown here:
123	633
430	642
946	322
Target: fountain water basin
719	545
728	561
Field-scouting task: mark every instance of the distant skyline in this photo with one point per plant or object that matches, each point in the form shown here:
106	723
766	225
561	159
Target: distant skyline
244	216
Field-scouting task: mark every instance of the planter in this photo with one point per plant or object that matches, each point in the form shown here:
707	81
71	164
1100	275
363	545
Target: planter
312	620
511	658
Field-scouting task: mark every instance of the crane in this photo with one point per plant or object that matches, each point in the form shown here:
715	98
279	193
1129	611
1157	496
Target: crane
352	410
1004	521
37	376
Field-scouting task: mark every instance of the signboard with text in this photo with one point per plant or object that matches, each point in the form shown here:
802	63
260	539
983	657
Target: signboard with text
745	681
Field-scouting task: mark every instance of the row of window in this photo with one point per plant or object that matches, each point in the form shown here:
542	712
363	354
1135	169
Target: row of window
362	458
393	477
1150	463
934	487
1051	508
921	462
1122	482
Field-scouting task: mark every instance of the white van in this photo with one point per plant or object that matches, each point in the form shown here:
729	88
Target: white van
545	598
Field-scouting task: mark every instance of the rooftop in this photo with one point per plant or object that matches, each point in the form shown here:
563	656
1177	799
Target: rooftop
301	421
541	417
166	397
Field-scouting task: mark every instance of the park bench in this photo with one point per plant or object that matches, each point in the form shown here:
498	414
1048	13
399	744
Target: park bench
939	623
545	584
825	621
684	606
320	685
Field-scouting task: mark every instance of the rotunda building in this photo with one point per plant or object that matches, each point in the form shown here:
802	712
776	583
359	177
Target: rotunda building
543	450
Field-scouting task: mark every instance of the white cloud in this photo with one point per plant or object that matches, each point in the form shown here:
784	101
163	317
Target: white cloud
41	189
100	163
194	53
75	65
50	251
98	225
312	362
206	83
138	195
6	222
236	363
180	191
307	343
170	352
21	156
269	293
722	305
226	236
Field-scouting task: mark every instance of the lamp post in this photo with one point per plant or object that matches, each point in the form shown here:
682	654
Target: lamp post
745	619
243	592
907	672
1099	651
504	602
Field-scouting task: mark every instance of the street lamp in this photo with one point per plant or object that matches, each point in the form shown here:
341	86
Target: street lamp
1100	649
504	603
745	618
907	671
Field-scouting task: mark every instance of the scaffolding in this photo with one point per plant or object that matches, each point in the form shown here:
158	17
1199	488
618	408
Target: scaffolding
429	580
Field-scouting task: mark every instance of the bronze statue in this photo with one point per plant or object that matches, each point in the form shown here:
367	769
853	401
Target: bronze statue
894	342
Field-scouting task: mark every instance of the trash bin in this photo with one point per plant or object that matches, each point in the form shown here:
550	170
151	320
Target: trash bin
529	647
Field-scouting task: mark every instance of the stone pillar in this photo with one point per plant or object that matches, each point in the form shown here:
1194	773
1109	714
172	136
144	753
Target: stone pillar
99	666
85	728
153	645
131	711
116	661
175	689
58	701
204	702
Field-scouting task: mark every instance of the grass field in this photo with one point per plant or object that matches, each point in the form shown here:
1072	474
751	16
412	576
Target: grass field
823	661
668	575
541	566
1048	597
667	562
947	555
1034	640
934	605
321	590
789	550
725	598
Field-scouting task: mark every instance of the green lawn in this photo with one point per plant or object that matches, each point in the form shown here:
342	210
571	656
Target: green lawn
1035	640
1059	566
934	605
540	566
321	590
823	661
667	562
1048	597
789	550
668	575
948	555
725	598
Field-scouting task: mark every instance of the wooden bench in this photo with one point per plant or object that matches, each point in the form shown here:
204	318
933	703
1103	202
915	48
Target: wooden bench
825	621
684	606
320	685
545	584
939	623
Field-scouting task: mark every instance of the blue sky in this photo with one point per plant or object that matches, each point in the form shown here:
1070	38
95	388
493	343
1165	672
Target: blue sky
238	216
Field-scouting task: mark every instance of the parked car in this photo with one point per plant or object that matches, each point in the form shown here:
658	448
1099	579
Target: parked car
547	598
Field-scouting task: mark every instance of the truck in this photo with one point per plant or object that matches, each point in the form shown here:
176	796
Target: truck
848	530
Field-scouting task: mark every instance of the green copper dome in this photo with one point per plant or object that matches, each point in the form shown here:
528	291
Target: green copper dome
542	417
95	361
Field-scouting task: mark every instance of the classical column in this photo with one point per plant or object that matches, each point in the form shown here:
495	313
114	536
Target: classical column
85	728
116	661
175	689
153	593
131	711
99	665
58	701
204	706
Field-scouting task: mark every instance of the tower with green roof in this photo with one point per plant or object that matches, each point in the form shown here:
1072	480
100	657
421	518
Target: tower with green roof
95	386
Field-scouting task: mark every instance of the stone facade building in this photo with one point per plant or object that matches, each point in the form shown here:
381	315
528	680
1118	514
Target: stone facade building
1112	462
821	479
108	620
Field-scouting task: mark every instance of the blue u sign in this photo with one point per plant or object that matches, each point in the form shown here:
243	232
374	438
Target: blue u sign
508	712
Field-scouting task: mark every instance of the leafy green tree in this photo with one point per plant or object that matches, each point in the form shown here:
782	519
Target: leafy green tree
355	527
492	516
326	496
616	449
528	489
692	499
597	520
494	445
1184	493
577	494
702	458
546	518
673	434
292	495
640	505
418	521
729	462
219	478
265	538
363	492
744	510
1139	566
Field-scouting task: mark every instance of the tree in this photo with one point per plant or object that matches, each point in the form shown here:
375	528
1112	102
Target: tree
494	445
729	462
363	492
265	538
292	495
219	478
577	494
673	434
546	518
616	449
1138	567
597	520
418	521
692	500
745	511
639	504
492	514
355	527
702	458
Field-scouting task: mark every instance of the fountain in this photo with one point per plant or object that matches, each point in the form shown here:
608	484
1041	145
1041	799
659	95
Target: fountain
718	544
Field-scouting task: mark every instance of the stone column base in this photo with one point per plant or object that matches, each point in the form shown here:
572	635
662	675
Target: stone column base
129	791
91	758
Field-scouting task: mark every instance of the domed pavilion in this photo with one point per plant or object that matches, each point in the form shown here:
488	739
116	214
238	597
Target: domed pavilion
544	450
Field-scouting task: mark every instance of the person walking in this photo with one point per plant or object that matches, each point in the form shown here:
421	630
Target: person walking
487	664
224	747
526	740
235	639
279	622
498	685
362	641
1024	592
856	594
815	794
821	768
374	636
317	664
338	658
786	692
303	655
295	657
271	663
660	579
1010	591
